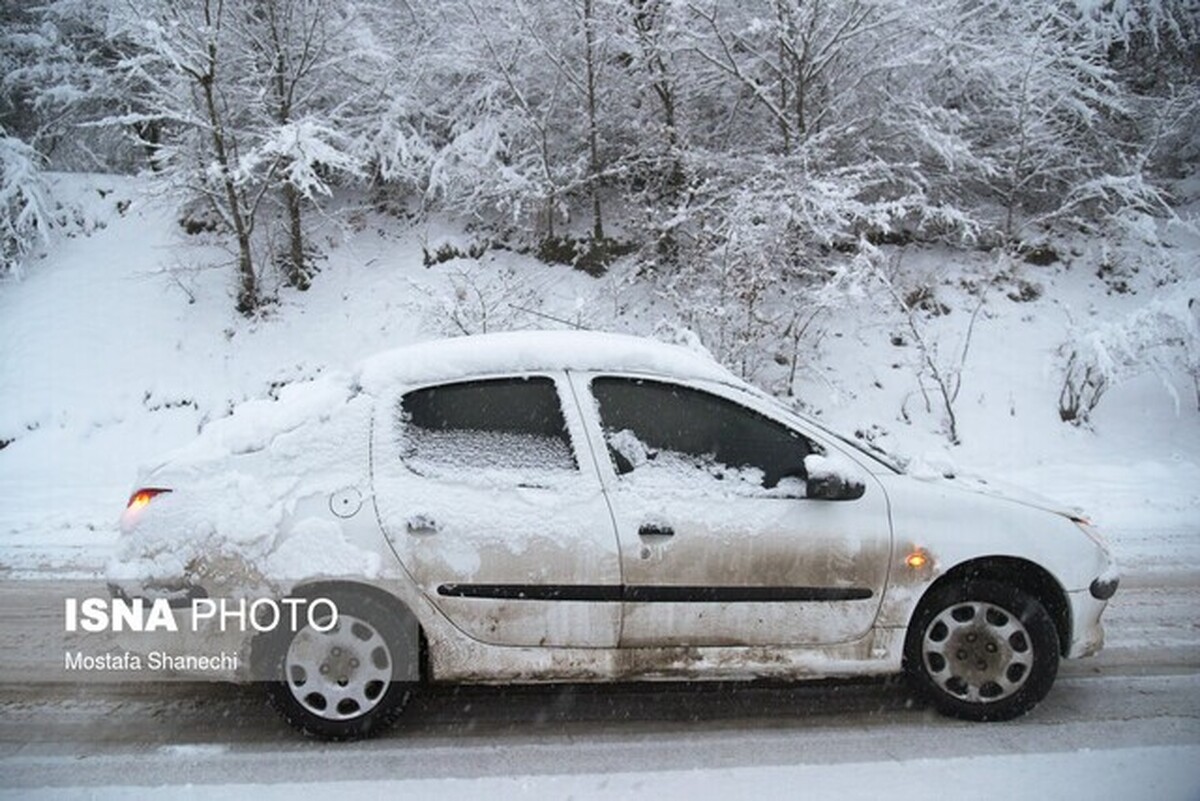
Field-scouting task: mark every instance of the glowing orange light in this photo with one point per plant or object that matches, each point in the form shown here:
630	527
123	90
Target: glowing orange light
916	560
142	497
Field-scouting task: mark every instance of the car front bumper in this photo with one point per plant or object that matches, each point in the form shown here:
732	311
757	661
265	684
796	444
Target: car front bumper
1087	632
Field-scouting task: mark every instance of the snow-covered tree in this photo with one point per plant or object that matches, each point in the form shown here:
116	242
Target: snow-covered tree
26	214
804	66
404	83
1044	107
536	130
694	127
502	145
299	48
257	95
60	77
650	46
194	71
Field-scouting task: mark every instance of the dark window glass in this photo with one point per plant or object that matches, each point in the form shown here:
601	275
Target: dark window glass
649	421
506	423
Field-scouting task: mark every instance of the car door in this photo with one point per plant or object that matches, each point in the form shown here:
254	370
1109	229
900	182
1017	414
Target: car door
718	543
480	491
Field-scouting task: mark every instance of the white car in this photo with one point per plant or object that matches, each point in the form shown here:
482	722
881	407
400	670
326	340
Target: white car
571	506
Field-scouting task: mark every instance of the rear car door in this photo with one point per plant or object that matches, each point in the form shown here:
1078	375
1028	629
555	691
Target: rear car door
480	491
719	545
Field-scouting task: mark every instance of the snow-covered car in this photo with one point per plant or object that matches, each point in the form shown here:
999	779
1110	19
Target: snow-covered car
572	506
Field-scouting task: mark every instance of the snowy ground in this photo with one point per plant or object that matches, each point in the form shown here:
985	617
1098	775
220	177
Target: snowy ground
109	361
1136	772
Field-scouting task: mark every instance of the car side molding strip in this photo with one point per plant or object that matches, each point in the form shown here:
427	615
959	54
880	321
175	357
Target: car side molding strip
652	593
674	594
534	592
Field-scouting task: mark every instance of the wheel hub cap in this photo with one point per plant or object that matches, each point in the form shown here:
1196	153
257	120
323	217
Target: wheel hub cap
341	673
977	651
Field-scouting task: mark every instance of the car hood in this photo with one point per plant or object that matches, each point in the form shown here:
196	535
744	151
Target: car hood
1003	490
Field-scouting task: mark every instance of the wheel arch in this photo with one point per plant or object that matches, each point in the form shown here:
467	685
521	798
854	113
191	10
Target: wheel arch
414	643
1027	576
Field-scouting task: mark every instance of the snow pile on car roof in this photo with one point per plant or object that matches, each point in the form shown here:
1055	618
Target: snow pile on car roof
533	351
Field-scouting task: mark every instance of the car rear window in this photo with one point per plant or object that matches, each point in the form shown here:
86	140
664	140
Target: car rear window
503	423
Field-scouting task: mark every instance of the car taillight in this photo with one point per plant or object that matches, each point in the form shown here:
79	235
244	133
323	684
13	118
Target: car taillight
142	497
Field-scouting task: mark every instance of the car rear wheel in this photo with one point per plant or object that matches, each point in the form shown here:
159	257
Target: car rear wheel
982	650
336	680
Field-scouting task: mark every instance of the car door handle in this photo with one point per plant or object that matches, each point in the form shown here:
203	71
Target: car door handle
655	530
421	524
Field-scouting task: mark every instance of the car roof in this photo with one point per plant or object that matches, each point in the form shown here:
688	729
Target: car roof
537	351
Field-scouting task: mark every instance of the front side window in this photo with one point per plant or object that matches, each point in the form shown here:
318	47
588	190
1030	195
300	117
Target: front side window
480	427
665	432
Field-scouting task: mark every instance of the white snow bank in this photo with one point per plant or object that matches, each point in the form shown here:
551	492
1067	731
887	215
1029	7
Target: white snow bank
1163	773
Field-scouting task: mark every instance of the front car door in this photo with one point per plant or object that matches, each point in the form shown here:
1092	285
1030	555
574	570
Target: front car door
480	491
718	543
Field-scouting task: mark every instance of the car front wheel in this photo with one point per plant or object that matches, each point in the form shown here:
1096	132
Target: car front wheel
982	650
337	680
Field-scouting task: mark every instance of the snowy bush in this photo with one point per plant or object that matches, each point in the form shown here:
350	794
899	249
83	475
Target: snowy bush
480	299
940	360
758	264
27	216
1084	383
305	153
1162	337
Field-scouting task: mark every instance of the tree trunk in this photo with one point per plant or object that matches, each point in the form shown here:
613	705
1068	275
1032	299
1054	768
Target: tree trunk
247	296
247	301
589	33
647	18
297	271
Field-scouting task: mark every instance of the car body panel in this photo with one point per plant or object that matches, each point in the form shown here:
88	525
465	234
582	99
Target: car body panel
481	546
357	518
829	559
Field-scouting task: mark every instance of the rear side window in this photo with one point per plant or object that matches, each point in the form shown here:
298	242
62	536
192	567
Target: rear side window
695	436
508	424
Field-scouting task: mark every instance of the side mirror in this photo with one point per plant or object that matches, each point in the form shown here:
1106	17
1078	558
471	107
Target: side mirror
832	479
833	488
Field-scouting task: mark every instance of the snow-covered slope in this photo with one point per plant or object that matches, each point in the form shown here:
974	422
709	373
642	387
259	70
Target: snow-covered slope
122	343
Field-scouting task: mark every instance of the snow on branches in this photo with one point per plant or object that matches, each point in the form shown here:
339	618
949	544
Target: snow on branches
25	211
1160	337
672	126
304	153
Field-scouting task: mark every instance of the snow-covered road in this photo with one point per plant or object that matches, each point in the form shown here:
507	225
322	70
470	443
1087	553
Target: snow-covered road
567	738
1125	724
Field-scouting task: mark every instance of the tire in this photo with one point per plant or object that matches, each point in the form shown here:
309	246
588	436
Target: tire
981	650
339	684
